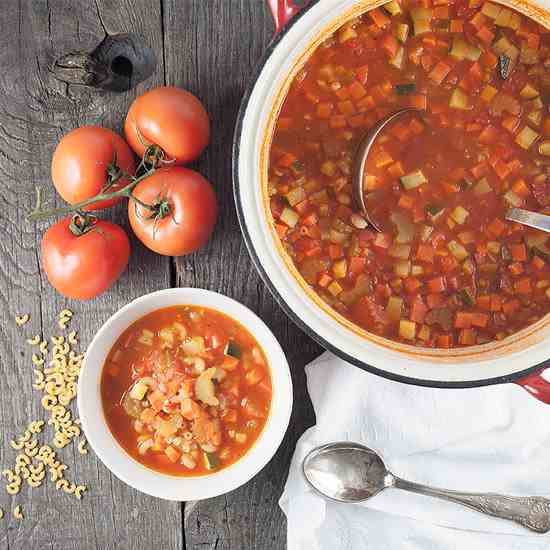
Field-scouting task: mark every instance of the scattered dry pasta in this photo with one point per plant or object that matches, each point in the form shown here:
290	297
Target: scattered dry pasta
1	513
82	447
18	512
34	341
21	320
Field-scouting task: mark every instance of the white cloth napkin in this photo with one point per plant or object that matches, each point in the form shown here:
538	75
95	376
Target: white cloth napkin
490	439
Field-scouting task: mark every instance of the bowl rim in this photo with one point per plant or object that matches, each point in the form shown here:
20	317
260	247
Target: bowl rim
313	20
152	482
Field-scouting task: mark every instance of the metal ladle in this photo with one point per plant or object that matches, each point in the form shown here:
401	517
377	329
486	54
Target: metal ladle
350	472
518	215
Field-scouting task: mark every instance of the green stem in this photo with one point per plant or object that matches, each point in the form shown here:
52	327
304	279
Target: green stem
126	191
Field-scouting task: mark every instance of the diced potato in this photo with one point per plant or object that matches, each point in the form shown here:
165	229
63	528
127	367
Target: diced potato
193	346
289	216
340	269
535	117
402	32
493	247
417	270
503	18
424	333
328	168
146	337
204	388
529	92
491	10
457	250
544	148
459	100
167	337
405	228
407	330
459	215
526	137
413	180
296	196
426	232
394	308
139	390
345	34
421	18
402	268
180	329
461	49
335	288
399	251
398	59
482	187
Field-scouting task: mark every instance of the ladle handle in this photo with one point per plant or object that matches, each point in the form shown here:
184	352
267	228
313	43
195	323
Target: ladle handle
530	512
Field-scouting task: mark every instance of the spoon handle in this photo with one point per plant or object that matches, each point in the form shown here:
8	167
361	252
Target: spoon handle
530	512
532	219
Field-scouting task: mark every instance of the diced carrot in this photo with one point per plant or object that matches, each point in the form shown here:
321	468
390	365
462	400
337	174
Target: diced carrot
148	415
467	337
485	35
496	302
515	166
346	108
406	202
382	158
480	170
546	126
338	121
538	263
475	72
496	227
416	127
160	442
478	20
156	399
439	72
253	376
356	121
488	135
281	230
425	253
324	110
484	302
172	453
287	160
418	102
438	239
362	73
335	251
523	286
383	240
356	265
312	219
437	284
435	300
229	415
510	123
533	40
190	409
379	18
401	131
390	44
365	104
342	94
230	363
456	26
444	340
516	268
479	319
489	59
501	170
441	12
463	319
357	90
396	170
312	98
324	280
448	263
412	284
519	252
284	123
511	306
418	310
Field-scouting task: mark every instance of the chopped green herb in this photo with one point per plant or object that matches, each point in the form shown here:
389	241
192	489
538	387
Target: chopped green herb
211	460
405	89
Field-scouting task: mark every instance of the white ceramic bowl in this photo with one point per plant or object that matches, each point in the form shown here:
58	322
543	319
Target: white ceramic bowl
149	481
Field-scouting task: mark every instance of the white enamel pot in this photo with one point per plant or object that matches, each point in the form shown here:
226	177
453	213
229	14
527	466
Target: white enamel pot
519	358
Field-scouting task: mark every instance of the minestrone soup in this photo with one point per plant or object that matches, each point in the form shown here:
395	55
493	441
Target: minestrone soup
186	390
447	270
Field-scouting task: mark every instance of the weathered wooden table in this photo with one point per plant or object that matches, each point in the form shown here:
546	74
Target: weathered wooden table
209	47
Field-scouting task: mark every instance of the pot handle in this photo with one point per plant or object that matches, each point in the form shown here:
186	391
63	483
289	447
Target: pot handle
284	10
536	385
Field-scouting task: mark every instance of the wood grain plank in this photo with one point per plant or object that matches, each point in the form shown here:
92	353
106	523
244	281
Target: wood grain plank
35	111
211	48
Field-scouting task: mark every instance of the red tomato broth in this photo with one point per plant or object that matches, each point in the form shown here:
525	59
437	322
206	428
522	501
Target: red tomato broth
228	430
448	270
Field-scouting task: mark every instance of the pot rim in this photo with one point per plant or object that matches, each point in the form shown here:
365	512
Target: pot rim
290	312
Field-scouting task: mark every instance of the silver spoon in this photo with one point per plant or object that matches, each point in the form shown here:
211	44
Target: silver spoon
525	217
350	472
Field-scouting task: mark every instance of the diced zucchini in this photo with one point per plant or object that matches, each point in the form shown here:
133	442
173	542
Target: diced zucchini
434	212
544	148
405	89
526	137
346	33
424	333
467	296
289	216
503	18
482	187
138	391
340	269
529	92
527	55
413	180
393	8
193	346
407	330
461	49
468	266
511	198
457	250
233	349
491	10
426	232
402	32
402	268
536	240
459	100
295	196
398	59
405	228
211	461
459	215
535	117
335	288
421	18
394	308
399	251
